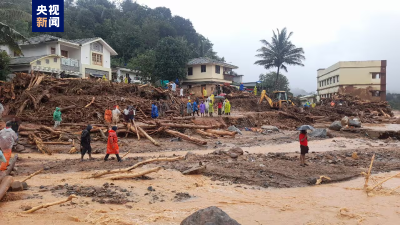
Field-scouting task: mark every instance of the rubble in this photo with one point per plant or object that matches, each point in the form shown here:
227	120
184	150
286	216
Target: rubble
210	215
337	125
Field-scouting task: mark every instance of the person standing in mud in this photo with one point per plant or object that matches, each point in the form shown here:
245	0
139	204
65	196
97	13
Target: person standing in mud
154	111
115	115
57	117
220	108
108	117
189	108
112	144
211	108
202	109
303	147
85	143
195	108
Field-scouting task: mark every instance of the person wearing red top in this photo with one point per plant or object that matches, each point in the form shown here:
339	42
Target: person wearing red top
303	147
220	108
112	144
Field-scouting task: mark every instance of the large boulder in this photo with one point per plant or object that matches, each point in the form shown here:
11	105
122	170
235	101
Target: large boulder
318	132
354	123
236	150
337	125
209	216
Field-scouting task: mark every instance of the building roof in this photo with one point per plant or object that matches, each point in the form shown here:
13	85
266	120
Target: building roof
205	60
24	60
76	42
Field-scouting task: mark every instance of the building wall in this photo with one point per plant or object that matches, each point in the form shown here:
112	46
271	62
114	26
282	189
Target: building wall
209	75
74	53
51	64
355	78
35	50
86	60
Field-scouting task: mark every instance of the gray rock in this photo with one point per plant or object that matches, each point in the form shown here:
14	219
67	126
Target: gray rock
236	150
265	185
233	128
336	126
312	181
233	155
46	167
318	132
354	123
268	127
209	216
217	152
190	155
25	185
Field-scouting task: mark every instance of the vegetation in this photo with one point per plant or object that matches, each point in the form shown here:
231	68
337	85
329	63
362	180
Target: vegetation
394	100
268	82
4	61
279	53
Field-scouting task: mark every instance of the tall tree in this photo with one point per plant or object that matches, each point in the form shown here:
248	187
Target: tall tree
4	61
279	53
145	63
171	56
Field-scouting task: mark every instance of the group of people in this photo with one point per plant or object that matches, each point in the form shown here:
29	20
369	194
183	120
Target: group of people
206	108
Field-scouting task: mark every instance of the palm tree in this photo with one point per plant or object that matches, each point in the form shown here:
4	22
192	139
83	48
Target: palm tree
279	53
9	36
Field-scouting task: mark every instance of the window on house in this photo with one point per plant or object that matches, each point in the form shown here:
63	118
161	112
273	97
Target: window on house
38	62
334	80
64	53
376	93
337	78
190	71
55	60
97	59
47	61
376	76
217	69
203	68
53	50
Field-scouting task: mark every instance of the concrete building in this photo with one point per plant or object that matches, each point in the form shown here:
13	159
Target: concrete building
53	55
366	79
119	74
307	98
207	73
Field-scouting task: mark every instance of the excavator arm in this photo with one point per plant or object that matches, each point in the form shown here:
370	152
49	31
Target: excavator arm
264	95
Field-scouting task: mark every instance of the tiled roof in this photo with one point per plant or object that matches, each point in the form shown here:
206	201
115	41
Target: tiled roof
48	38
205	60
24	60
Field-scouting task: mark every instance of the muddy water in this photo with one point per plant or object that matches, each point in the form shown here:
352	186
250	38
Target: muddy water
248	205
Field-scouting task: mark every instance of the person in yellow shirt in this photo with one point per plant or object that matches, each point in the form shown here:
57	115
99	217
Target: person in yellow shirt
204	93
104	78
126	80
255	90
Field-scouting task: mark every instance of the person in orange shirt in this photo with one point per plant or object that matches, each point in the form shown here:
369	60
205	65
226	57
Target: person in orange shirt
108	116
332	103
112	144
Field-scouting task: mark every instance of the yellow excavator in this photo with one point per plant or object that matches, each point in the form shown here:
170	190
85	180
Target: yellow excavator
280	99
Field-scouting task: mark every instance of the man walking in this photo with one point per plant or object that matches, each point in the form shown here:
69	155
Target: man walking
303	147
112	144
7	141
57	117
85	142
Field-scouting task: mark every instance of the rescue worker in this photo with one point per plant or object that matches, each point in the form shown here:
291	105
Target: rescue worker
173	87
211	108
7	140
207	105
108	116
227	107
202	108
104	78
181	92
195	108
115	115
154	111
126	114
85	142
126	80
189	108
57	117
112	144
220	108
241	88
204	93
255	90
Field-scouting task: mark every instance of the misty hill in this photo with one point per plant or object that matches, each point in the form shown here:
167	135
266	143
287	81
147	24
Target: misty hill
298	91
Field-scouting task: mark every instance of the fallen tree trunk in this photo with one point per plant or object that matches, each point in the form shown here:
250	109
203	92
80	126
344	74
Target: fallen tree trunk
184	118
221	132
201	132
57	143
148	137
68	107
5	185
139	174
90	102
185	137
291	116
193	126
50	204
39	144
102	173
137	133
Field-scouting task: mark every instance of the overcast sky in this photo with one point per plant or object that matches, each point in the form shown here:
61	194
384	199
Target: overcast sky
328	31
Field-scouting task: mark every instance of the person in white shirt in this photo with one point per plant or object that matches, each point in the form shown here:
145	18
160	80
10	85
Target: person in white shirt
115	115
173	87
7	140
181	94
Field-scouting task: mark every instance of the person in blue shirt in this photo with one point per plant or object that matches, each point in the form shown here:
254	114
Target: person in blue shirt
241	87
195	108
189	108
154	111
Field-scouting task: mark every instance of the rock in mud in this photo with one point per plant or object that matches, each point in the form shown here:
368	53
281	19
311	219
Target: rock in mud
336	126
267	127
312	181
209	216
236	150
189	155
150	188
318	132
355	123
233	155
195	170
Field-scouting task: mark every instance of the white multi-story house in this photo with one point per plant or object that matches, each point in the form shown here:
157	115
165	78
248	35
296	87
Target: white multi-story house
49	54
120	73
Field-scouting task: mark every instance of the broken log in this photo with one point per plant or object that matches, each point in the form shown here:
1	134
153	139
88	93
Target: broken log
193	126
221	132
57	143
50	204
185	137
102	173
39	144
148	136
137	133
368	174
5	185
203	133
90	102
125	154
103	135
139	174
21	109
68	107
32	175
184	118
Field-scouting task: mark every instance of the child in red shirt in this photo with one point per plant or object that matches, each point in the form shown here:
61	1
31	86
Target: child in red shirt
303	147
220	108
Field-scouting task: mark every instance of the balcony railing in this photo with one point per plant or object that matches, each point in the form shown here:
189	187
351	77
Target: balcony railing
69	64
